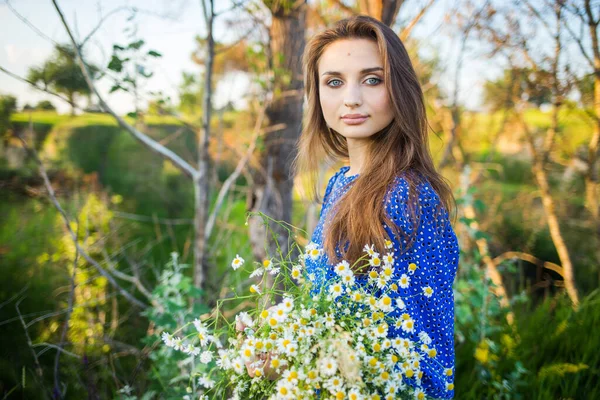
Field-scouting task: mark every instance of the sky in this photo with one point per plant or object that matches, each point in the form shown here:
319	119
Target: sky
169	27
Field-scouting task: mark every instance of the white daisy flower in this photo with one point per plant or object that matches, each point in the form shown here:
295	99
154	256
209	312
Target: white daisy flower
427	291
335	290
342	268
412	267
328	366
287	304
255	289
274	271
245	318
348	280
237	262
191	349
424	337
296	272
168	339
400	304
206	357
370	250
238	365
408	325
404	281
284	390
388	244
257	272
206	382
375	261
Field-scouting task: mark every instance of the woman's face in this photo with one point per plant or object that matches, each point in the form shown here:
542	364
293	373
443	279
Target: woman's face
351	82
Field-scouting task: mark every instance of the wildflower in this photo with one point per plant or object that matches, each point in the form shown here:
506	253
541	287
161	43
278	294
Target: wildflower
412	267
408	325
328	366
370	250
284	390
255	289
348	280
387	271
257	272
385	304
329	320
449	386
206	382
424	337
191	350
448	371
237	262
274	271
404	281
267	264
335	290
419	394
238	365
342	268
297	272
168	339
287	304
206	357
388	244
427	291
244	318
247	352
375	261
400	304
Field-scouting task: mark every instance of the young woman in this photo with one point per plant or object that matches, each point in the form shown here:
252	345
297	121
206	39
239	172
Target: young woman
365	105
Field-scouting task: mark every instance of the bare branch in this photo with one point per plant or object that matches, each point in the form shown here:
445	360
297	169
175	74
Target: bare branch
104	18
43	89
180	163
408	29
65	329
29	24
38	367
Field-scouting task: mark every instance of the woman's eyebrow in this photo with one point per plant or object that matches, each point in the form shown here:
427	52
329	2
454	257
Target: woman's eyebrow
364	71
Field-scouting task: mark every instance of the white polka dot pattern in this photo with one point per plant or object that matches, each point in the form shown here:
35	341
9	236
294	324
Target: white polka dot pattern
430	264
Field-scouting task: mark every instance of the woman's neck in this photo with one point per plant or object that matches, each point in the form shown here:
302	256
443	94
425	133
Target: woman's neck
357	149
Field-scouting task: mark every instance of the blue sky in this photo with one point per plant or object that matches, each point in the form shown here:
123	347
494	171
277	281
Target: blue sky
169	27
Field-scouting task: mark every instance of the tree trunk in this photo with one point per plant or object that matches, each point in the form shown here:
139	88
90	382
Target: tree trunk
202	178
551	217
273	183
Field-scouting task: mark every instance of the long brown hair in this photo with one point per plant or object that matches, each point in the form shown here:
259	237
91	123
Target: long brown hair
400	149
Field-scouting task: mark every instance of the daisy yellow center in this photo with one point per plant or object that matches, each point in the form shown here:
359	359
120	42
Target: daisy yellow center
373	274
387	301
409	373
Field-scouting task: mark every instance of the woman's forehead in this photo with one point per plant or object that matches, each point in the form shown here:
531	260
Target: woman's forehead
349	56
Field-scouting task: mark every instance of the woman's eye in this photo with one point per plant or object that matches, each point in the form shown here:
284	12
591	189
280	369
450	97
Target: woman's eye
377	81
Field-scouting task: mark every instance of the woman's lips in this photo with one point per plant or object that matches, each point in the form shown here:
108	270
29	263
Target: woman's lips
354	121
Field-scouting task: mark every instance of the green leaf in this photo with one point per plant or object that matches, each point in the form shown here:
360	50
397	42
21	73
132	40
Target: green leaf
153	53
136	45
115	88
116	47
115	64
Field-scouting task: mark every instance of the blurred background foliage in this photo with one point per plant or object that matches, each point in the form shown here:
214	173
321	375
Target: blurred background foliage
133	213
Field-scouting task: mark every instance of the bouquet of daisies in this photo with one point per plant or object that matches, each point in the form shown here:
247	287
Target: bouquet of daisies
329	342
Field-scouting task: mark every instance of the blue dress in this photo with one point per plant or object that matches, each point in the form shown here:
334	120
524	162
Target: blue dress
433	259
